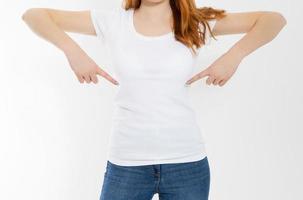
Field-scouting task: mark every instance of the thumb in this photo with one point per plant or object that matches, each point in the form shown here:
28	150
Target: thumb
198	76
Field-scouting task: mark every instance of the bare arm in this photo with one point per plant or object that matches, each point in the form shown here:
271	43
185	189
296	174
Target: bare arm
260	27
52	25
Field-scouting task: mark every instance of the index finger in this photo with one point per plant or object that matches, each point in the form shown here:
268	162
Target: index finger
197	77
106	76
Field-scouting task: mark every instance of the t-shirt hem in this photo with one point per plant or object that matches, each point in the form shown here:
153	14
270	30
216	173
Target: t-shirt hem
191	158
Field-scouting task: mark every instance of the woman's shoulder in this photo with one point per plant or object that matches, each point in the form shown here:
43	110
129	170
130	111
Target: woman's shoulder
109	14
109	17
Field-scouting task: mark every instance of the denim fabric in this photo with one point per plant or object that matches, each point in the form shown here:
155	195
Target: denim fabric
173	181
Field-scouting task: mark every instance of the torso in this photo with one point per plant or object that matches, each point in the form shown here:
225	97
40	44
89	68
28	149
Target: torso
154	121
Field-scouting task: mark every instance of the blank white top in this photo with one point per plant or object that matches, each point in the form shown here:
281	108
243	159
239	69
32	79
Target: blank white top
154	121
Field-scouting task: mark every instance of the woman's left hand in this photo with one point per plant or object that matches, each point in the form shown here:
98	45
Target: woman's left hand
220	71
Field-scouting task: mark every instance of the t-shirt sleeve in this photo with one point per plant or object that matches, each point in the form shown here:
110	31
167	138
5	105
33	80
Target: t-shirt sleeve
103	21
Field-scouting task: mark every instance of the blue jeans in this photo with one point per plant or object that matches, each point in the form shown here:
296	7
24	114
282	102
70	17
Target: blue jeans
174	181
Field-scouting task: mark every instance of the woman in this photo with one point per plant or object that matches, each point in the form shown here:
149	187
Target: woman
156	145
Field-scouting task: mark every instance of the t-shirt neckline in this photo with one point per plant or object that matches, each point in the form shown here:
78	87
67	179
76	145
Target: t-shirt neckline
145	37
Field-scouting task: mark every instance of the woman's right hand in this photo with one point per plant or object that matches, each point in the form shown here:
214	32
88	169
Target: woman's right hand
51	24
85	68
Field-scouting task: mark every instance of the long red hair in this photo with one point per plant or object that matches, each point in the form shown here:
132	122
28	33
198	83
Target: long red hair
187	18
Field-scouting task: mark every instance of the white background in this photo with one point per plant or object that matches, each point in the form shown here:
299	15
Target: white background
54	130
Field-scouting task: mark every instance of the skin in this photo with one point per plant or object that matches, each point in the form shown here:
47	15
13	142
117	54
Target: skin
260	27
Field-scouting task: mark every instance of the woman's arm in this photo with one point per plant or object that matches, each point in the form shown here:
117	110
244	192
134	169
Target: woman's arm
51	25
260	27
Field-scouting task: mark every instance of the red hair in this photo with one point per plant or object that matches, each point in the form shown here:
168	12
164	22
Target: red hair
187	18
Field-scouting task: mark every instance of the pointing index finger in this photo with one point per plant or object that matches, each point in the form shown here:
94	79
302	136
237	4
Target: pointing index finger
106	76
198	76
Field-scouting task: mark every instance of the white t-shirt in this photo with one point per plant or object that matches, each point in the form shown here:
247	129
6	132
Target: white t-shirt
154	121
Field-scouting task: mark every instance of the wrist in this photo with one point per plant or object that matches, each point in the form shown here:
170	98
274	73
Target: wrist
237	52
70	48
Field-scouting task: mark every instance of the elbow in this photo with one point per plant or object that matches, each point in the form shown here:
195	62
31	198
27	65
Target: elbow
27	13
283	20
30	12
279	18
